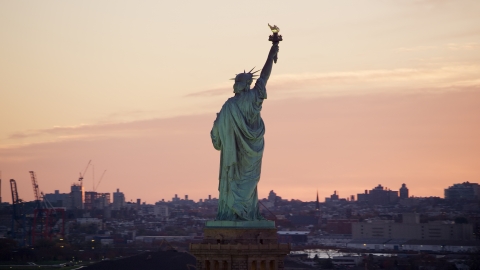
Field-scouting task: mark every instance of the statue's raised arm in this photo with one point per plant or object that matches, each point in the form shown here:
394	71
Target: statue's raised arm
272	55
267	68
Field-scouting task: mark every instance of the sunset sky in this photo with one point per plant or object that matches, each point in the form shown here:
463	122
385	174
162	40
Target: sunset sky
364	93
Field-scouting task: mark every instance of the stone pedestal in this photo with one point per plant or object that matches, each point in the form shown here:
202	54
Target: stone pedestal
240	248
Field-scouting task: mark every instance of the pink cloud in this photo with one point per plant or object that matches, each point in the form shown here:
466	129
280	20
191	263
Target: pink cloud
343	143
447	78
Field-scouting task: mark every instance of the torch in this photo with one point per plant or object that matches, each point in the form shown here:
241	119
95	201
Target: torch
275	38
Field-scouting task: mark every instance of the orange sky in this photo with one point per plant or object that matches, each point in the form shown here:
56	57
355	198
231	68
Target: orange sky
364	93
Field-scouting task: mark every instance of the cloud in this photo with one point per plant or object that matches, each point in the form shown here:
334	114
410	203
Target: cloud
331	84
447	78
463	46
50	131
132	129
344	143
416	48
208	93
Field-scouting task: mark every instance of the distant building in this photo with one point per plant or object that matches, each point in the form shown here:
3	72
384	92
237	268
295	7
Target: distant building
85	221
272	196
118	200
378	196
77	195
333	197
463	191
103	200
90	197
403	192
296	237
411	228
160	210
298	220
58	199
139	201
340	226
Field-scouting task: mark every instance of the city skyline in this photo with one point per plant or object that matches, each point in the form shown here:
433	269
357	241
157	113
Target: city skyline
364	93
334	194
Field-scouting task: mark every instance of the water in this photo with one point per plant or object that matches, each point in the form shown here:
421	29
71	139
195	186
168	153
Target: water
328	253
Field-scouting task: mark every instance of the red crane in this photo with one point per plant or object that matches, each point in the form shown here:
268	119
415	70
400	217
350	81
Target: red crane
45	219
18	215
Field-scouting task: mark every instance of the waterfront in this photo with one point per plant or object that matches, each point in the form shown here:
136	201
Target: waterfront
329	253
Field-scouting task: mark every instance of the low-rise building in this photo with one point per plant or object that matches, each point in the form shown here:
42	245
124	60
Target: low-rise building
411	228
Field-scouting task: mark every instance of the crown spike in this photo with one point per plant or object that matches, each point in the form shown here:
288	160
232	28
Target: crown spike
251	70
256	71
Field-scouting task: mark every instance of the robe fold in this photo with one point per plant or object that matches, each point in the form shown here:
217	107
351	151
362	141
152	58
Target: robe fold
238	133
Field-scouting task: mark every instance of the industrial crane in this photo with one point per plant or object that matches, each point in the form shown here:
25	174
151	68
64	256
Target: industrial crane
44	218
36	191
38	214
18	215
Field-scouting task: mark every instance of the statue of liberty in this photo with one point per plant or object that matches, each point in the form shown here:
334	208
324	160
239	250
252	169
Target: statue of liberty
238	133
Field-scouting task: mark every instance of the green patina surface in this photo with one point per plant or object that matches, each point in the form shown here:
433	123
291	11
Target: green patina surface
238	133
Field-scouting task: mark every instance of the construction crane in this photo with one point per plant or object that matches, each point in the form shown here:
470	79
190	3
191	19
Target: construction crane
45	218
83	174
38	214
18	215
101	177
52	221
36	191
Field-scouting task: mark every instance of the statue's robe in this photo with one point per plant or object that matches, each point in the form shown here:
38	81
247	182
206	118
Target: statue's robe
238	133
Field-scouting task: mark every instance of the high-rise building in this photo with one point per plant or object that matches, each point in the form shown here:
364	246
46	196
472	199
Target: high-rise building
90	197
95	200
102	201
404	192
118	200
77	195
463	191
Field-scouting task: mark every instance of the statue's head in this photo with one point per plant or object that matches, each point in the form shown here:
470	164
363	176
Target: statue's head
243	81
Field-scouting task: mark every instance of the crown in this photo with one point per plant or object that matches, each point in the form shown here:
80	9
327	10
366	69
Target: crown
246	76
